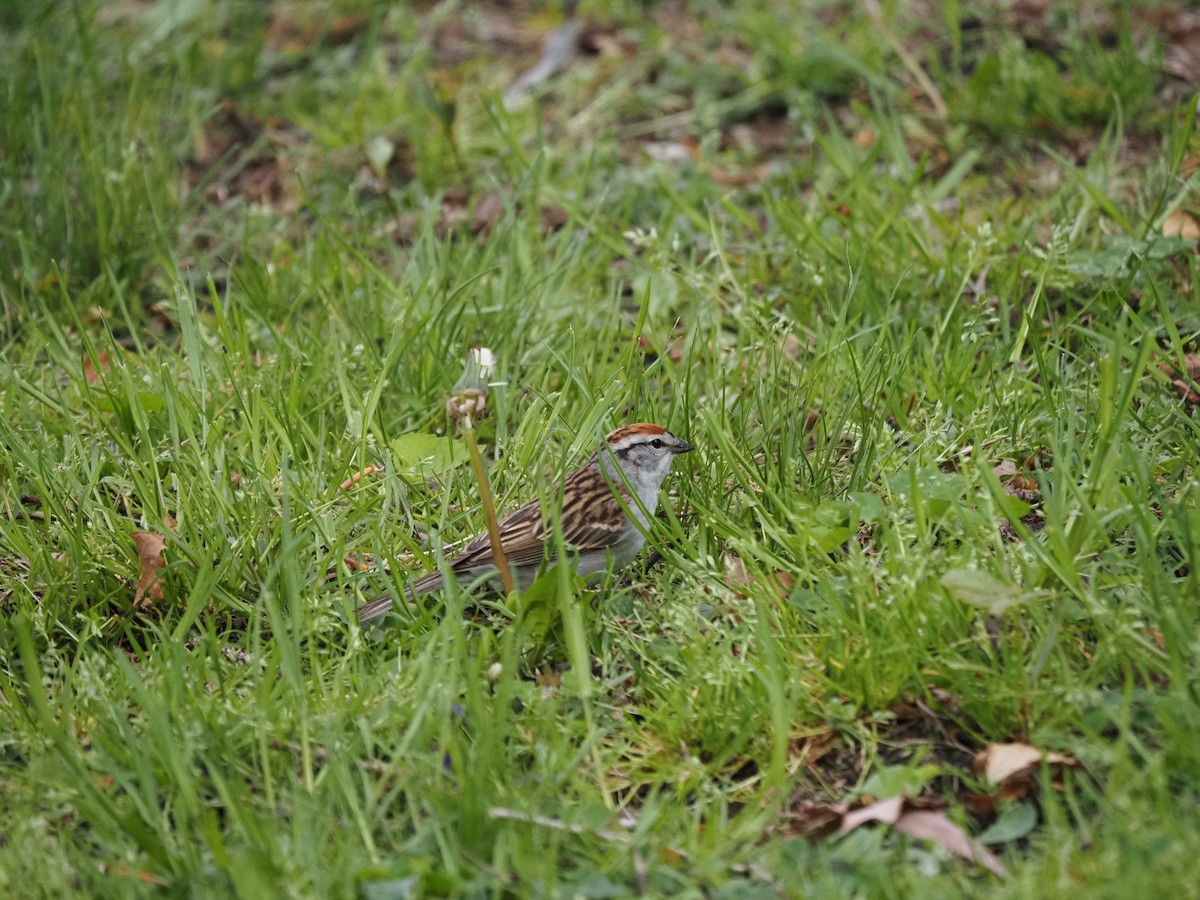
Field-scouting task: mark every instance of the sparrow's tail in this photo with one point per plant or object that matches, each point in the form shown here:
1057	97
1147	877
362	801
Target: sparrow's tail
373	609
380	606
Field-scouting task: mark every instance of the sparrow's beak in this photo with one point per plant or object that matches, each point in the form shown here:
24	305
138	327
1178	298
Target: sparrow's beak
682	447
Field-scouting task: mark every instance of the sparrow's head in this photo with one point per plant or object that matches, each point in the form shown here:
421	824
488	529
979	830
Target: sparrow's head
644	452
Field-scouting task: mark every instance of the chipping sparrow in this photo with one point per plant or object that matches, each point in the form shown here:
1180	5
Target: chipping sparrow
635	458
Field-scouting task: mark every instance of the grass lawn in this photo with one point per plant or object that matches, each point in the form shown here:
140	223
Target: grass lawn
919	281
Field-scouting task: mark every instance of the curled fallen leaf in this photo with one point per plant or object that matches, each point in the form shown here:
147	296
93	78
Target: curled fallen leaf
737	578
1005	469
816	820
1016	483
553	218
489	209
1181	224
735	572
150	549
934	826
1001	764
926	824
1186	391
885	811
1187	380
94	367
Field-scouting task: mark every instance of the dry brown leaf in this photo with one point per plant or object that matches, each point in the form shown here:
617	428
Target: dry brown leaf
1011	768
1016	484
31	508
735	573
761	137
238	156
1001	764
1186	391
737	578
737	178
150	549
864	137
1181	224
885	811
93	368
674	349
1179	29
816	820
553	218
784	583
1023	488
1006	469
934	826
605	40
489	209
345	28
926	824
1186	382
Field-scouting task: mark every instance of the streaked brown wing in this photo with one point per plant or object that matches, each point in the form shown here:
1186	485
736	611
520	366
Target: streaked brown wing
524	536
520	535
605	522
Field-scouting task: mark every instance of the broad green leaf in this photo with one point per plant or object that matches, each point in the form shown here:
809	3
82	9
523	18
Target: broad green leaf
982	589
898	781
870	506
1013	823
427	454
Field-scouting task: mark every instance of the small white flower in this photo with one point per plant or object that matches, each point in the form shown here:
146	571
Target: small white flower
639	237
485	359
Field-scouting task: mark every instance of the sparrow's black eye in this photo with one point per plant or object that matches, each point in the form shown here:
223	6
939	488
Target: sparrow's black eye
656	444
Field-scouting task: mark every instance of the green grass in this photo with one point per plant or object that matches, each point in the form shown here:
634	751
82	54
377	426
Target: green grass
199	199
